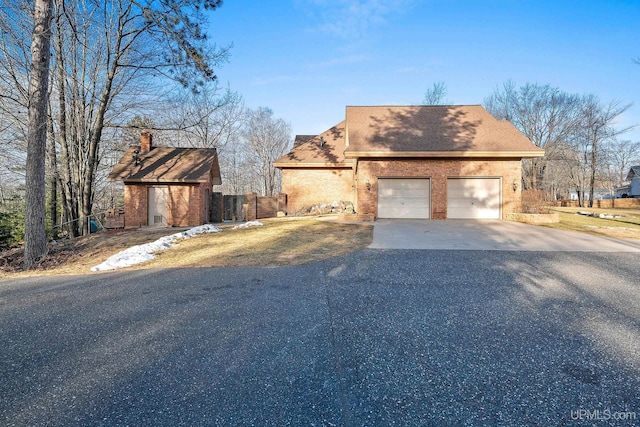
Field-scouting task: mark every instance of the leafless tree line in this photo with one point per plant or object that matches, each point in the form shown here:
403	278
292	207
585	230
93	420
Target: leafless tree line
248	141
581	136
109	65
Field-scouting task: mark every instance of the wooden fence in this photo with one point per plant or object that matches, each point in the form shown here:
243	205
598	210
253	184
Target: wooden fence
264	206
228	207
604	203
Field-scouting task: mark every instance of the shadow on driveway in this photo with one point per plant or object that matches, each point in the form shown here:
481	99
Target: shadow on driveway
375	338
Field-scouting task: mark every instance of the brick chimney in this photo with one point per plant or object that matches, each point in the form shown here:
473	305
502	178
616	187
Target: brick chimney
146	142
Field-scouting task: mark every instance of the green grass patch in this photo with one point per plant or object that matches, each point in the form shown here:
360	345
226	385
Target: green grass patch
625	224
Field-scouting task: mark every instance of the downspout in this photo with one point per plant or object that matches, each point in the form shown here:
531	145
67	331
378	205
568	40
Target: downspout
355	185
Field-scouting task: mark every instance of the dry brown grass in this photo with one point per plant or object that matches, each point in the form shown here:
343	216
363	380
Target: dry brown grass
278	242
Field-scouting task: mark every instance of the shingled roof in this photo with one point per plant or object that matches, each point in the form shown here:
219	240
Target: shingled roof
326	149
633	173
167	164
410	131
433	131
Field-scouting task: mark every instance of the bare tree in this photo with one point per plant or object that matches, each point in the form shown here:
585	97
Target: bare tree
16	25
236	168
558	181
267	139
576	163
621	155
597	127
210	118
436	95
35	240
103	48
545	115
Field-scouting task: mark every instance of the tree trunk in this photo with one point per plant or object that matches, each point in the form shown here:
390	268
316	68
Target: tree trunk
35	239
53	177
92	159
67	186
593	167
98	126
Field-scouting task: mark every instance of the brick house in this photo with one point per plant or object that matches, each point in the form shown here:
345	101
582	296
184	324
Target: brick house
166	186
411	162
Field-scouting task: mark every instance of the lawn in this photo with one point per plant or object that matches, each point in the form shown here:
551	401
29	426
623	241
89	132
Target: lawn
277	242
625	225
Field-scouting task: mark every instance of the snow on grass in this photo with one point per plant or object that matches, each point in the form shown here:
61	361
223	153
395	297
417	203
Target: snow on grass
141	253
248	224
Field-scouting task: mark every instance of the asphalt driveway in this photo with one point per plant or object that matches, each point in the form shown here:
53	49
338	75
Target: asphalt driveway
489	235
376	338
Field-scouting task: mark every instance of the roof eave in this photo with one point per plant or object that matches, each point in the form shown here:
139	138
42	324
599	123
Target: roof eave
442	154
313	165
163	181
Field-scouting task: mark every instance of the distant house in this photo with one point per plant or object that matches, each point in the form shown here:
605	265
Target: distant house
166	186
623	191
598	194
634	181
411	162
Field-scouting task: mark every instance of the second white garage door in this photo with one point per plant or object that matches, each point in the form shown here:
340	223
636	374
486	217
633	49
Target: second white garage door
473	198
403	198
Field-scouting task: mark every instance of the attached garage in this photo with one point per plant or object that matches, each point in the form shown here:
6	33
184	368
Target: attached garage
477	198
434	161
404	198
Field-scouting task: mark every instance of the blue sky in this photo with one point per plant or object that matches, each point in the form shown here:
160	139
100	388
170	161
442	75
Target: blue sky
308	59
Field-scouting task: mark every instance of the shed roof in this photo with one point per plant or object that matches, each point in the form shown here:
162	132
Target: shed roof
433	131
168	164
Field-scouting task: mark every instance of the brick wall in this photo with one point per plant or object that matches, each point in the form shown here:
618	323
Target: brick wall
135	205
315	186
186	204
438	171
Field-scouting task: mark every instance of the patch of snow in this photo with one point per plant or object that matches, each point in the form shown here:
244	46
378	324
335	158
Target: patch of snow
248	224
141	253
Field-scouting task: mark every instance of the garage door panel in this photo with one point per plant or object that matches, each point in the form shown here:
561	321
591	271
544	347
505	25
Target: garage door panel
473	198
404	198
404	193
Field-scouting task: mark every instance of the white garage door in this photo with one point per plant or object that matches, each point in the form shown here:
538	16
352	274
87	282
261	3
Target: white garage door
403	198
157	206
473	198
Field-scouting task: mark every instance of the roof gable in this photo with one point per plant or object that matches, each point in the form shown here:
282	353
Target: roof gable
410	131
633	173
326	149
167	164
427	130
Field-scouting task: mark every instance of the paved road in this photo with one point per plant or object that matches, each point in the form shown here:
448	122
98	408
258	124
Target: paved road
388	338
489	235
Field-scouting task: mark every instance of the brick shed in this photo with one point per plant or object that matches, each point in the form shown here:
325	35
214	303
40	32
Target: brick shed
411	162
166	186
